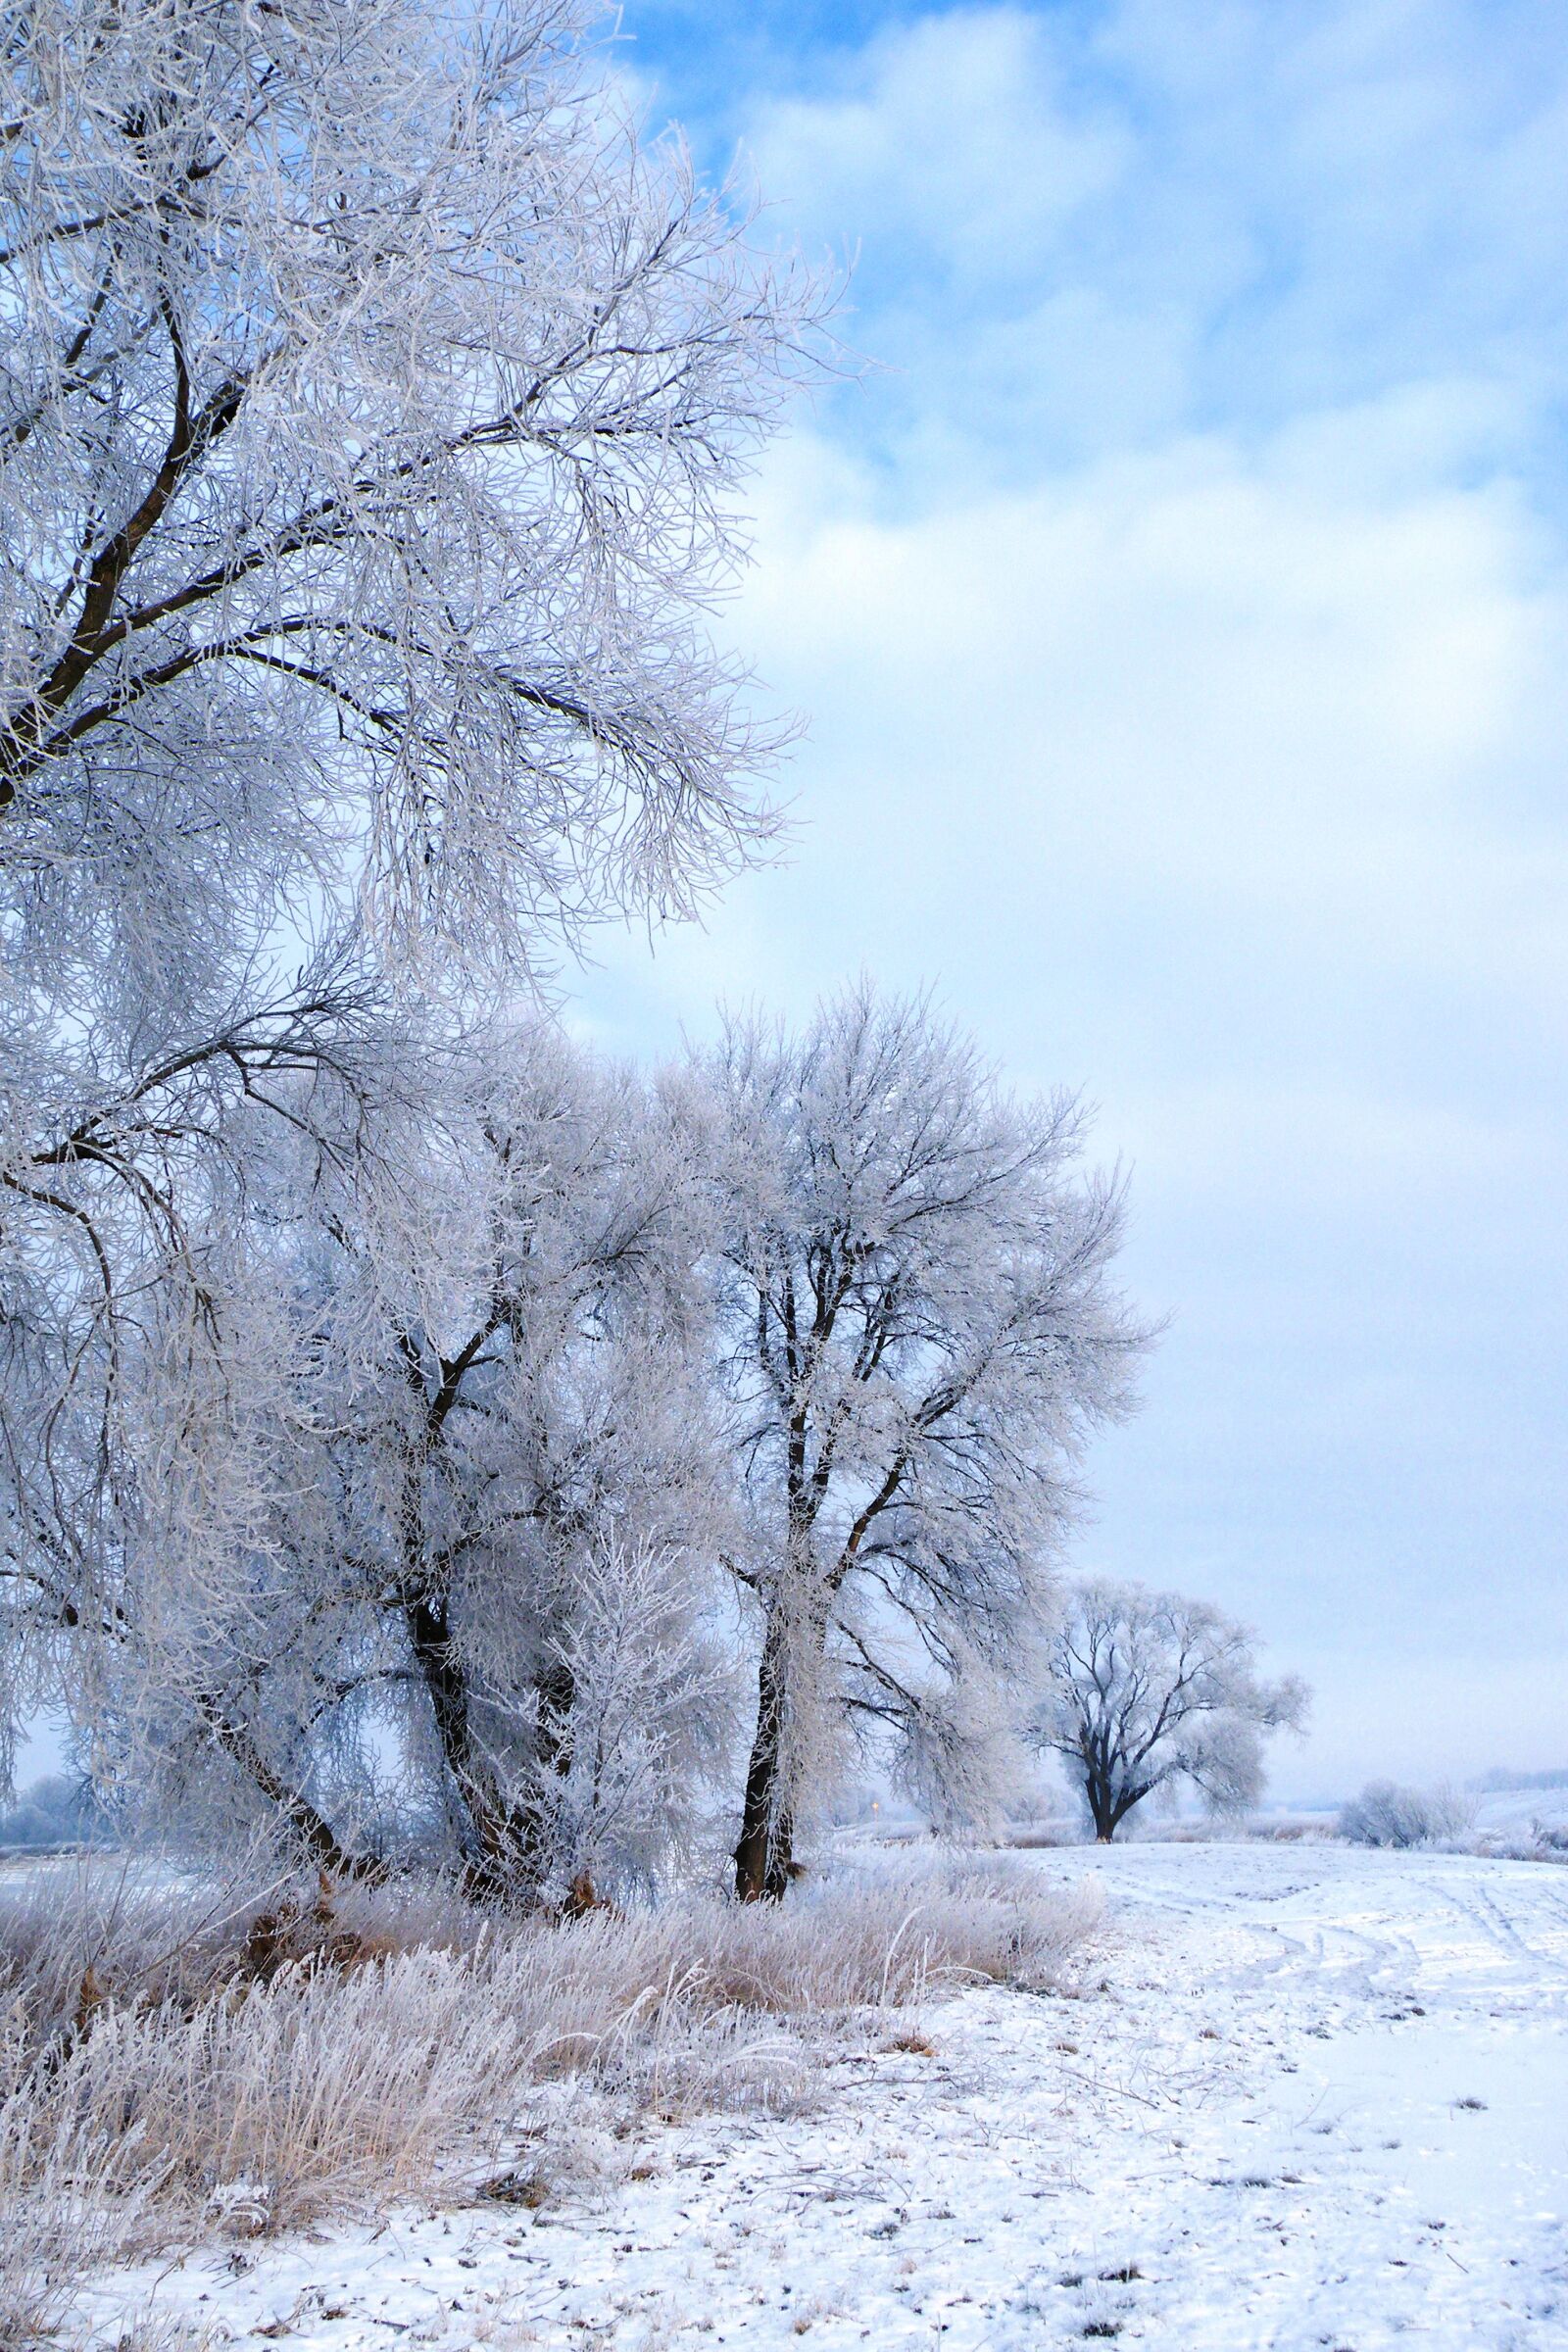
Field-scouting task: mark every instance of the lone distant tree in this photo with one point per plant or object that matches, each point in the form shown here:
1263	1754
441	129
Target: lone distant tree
1150	1689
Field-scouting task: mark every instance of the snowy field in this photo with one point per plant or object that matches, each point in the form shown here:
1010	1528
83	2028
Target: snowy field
1308	2097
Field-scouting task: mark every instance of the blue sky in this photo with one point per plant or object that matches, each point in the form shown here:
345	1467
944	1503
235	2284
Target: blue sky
1179	606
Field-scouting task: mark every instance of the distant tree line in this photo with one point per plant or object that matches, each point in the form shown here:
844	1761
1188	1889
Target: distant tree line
57	1810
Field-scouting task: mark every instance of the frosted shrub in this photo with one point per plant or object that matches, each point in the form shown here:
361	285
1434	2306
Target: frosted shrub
1384	1814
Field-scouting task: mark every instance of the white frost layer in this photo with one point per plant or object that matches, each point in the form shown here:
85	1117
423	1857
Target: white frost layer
1321	2101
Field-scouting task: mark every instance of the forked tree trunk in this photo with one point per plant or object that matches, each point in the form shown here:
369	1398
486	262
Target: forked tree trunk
499	1835
511	1839
1110	1806
1103	1810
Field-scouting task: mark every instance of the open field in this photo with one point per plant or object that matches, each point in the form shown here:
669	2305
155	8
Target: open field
1300	2098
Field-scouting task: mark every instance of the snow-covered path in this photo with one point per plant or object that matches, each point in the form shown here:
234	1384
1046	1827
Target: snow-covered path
1311	2097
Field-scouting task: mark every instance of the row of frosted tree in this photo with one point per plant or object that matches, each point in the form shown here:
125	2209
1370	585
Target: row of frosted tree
558	1447
410	1425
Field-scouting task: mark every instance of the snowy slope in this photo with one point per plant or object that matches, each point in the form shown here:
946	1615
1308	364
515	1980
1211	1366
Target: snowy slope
1312	2097
1518	1810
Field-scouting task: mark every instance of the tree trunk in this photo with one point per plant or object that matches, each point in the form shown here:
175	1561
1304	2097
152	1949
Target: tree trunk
1102	1810
511	1842
310	1831
497	1865
765	1852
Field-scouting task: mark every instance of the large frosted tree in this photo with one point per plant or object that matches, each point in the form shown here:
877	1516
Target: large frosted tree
370	407
517	1510
469	1510
919	1330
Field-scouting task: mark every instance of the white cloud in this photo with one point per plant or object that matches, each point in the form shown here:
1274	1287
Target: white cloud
960	139
1202	684
1163	212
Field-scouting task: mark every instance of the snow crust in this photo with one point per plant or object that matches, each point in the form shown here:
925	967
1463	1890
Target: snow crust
1307	2096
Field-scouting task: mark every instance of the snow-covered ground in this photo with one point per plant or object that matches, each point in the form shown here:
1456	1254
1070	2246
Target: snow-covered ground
1308	2097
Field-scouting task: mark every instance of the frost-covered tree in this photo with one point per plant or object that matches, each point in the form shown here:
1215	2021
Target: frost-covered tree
369	406
369	409
150	1370
917	1333
497	1507
1145	1689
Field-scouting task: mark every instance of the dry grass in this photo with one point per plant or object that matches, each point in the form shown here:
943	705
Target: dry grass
169	2067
